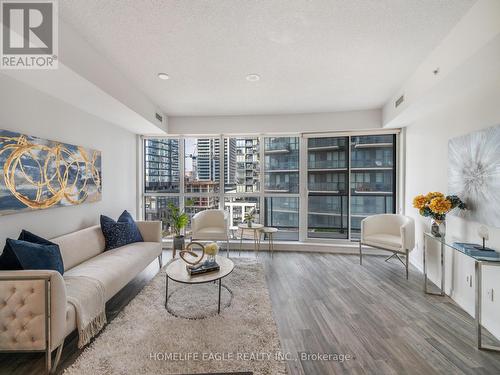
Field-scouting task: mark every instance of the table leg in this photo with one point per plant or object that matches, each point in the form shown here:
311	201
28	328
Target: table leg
442	268
479	288
220	284
241	240
477	266
255	242
441	293
259	234
166	293
424	265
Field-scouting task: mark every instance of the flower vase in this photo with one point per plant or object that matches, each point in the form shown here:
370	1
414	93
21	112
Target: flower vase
211	251
249	224
438	228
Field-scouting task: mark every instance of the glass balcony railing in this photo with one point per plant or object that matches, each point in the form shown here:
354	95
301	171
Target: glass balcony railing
372	164
371	188
327	164
282	166
334	187
326	143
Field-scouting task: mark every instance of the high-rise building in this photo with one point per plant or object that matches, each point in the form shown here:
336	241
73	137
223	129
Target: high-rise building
161	161
208	162
247	162
281	165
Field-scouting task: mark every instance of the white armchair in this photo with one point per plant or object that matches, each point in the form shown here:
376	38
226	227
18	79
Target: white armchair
210	225
389	232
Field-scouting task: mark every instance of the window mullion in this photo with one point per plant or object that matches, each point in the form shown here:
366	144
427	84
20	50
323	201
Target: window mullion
303	190
182	172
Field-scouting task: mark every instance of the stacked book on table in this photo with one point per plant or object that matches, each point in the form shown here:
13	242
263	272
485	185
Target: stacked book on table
202	268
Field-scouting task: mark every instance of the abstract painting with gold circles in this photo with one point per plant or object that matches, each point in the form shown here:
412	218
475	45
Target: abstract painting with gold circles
37	173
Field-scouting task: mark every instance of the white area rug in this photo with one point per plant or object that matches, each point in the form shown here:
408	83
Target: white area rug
146	339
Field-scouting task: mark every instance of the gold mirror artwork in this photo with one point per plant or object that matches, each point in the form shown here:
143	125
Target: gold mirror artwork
37	173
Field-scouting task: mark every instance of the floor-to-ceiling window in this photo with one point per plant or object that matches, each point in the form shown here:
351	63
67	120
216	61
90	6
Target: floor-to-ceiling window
327	180
373	176
345	178
242	178
161	179
202	175
281	185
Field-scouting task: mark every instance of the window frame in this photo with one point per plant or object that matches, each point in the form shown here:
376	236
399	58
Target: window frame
261	195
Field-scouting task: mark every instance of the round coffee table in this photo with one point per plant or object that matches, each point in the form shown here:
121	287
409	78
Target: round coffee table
176	271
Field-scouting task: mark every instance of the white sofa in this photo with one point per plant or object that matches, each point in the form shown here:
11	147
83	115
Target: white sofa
25	322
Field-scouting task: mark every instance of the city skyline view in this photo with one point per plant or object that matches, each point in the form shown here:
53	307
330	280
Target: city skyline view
348	178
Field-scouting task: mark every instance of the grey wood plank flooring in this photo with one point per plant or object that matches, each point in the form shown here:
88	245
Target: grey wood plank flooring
328	303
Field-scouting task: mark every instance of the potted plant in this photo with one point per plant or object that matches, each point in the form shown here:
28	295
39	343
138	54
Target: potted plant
436	205
178	221
249	217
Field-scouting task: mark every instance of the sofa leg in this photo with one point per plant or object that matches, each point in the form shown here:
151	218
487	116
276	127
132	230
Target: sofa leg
160	260
407	262
360	254
56	360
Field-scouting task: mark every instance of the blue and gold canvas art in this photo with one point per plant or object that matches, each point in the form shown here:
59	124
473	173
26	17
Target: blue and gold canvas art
38	174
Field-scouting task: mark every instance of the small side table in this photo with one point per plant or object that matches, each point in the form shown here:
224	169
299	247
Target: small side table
256	228
269	232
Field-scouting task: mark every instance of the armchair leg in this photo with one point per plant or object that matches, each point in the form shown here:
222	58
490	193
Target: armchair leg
160	260
360	254
227	244
393	255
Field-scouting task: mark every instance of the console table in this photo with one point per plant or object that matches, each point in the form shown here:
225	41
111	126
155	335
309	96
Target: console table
481	259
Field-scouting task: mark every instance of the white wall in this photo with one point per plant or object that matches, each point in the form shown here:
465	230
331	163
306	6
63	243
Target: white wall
426	170
470	39
317	122
24	109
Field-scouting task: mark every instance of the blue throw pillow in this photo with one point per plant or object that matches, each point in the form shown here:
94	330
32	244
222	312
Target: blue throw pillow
125	217
120	233
31	252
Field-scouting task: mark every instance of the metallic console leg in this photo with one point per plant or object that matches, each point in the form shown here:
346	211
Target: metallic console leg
441	293
479	288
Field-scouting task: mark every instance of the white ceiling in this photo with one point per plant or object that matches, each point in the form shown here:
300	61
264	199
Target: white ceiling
313	56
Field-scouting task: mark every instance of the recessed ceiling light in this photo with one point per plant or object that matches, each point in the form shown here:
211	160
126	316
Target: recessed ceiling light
253	77
163	76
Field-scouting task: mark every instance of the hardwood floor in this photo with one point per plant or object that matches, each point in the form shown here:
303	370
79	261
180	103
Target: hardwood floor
329	304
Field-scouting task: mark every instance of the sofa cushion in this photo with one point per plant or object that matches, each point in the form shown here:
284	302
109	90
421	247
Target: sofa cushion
79	246
34	256
120	233
117	267
9	260
30	237
135	233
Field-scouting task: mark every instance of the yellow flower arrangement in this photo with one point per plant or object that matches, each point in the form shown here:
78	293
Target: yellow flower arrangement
436	205
419	201
440	205
434	194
